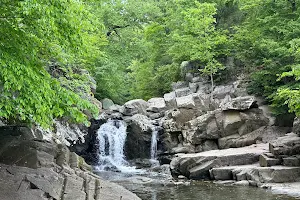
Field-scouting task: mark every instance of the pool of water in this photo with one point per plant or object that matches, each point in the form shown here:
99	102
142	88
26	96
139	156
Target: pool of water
154	186
203	191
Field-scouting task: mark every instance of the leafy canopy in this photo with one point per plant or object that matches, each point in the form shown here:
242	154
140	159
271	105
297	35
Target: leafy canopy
33	35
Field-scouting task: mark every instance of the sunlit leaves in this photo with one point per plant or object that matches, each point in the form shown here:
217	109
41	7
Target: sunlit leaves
34	34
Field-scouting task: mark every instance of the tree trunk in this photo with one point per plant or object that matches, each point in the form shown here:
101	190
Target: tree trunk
212	86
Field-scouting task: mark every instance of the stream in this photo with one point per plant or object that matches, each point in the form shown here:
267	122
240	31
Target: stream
151	186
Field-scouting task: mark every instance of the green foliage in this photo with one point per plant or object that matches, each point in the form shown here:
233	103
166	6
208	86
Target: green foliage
267	43
134	48
152	49
32	34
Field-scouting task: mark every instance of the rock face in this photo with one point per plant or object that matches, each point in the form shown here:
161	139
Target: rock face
276	162
191	119
33	169
138	141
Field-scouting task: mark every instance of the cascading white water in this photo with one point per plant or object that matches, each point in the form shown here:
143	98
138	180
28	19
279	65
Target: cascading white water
154	145
112	137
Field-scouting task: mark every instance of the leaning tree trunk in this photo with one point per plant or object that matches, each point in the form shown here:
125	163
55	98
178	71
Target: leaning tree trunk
212	86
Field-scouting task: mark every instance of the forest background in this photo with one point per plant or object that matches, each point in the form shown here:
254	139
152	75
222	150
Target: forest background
134	49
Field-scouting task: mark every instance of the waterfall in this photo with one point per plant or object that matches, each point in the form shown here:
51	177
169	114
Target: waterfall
153	152
112	137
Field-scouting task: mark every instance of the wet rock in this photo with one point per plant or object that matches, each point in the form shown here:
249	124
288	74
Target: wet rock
138	141
276	174
139	124
42	170
222	173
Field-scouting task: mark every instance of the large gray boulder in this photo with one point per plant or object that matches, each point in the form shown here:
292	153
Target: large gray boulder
287	145
139	123
156	105
236	122
275	174
264	134
170	100
202	128
253	119
202	102
138	140
136	106
107	103
231	122
175	119
256	175
240	103
185	102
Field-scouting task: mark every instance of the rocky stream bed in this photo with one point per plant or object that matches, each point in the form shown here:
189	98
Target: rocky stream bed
220	145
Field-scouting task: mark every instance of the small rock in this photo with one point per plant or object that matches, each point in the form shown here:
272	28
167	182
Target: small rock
242	183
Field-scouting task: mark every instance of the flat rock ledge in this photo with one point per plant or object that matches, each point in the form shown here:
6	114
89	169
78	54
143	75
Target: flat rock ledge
22	183
274	166
197	166
34	169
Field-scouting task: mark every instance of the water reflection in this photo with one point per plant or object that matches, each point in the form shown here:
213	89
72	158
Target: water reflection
159	190
203	191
